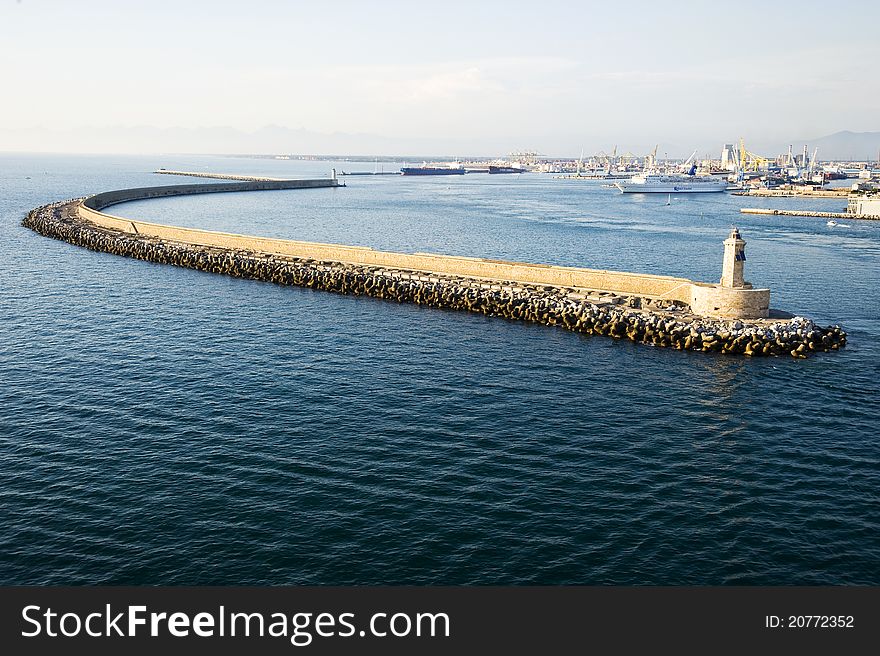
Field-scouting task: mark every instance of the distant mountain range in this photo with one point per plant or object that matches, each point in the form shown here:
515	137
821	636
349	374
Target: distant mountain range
276	140
845	145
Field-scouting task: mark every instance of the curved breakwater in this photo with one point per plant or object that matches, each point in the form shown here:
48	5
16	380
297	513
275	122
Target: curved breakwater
652	321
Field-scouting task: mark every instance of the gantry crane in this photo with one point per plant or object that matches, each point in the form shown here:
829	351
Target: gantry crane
749	161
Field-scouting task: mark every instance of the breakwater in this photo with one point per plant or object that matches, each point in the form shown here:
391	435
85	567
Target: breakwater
639	318
821	215
834	194
218	176
729	300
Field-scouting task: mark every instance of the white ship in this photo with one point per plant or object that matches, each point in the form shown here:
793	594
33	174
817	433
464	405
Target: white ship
675	183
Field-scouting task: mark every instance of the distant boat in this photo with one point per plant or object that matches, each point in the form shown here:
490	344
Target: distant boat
669	199
505	169
424	169
831	223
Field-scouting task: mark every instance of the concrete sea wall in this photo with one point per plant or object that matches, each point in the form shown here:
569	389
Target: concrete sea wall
821	215
217	176
644	318
108	198
674	289
706	299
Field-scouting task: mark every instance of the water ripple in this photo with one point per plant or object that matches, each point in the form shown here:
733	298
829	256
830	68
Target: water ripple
160	425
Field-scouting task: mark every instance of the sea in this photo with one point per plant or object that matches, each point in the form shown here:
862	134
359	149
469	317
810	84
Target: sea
160	425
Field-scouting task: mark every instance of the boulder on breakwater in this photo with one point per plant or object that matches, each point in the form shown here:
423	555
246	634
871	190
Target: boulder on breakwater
638	319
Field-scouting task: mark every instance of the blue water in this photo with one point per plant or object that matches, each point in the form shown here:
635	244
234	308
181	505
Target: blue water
162	425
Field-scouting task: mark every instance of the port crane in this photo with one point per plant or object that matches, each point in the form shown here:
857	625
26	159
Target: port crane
608	161
627	159
688	162
813	160
749	161
651	158
811	169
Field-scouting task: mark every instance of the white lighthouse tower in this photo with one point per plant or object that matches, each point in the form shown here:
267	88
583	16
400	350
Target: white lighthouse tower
732	271
733	297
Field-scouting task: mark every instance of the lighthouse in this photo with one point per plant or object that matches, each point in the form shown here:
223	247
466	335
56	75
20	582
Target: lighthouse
734	261
733	297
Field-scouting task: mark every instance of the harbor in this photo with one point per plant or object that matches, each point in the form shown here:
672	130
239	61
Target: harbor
737	170
382	312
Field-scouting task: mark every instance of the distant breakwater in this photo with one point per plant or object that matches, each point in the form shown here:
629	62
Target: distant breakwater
652	321
219	176
821	215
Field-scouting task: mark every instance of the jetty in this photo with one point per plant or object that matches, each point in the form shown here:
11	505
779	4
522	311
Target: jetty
219	176
821	215
859	207
833	194
729	317
369	173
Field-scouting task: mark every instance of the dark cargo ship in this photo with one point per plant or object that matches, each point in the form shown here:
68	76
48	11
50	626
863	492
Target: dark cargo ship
505	169
433	170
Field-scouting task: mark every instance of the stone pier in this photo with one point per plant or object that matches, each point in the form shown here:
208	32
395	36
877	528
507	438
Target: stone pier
730	317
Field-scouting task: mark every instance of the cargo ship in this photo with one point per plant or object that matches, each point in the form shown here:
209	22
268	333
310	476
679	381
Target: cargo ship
505	169
424	169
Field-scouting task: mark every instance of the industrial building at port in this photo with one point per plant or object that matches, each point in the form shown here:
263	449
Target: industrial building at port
735	161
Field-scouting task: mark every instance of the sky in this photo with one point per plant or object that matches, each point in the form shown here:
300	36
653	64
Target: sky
385	77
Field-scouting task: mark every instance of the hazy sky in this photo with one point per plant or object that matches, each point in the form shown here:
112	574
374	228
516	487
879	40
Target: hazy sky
484	76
